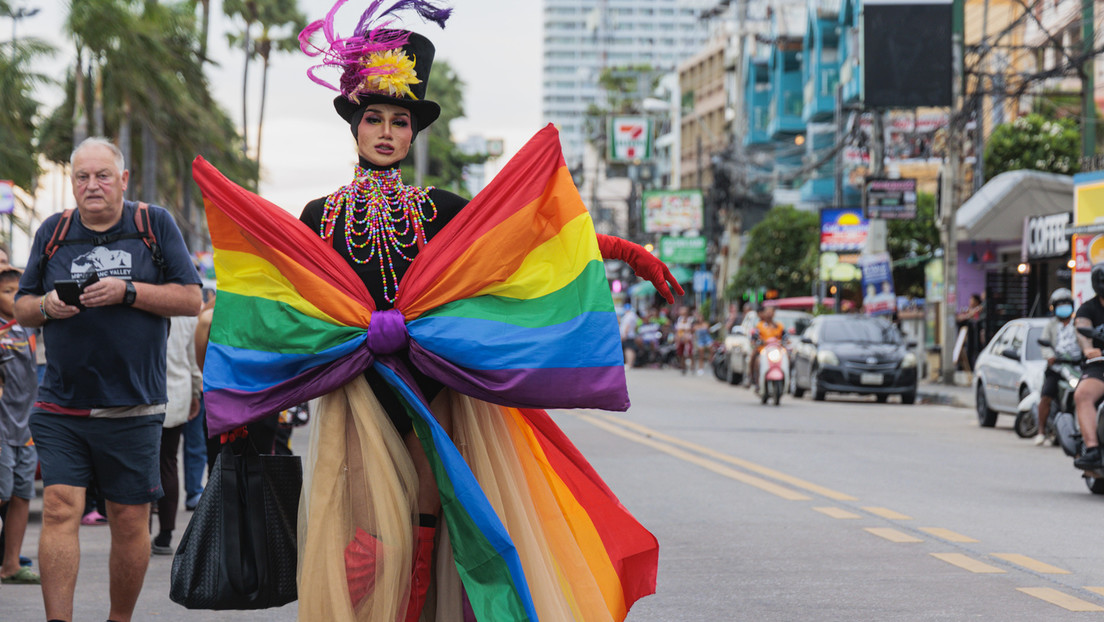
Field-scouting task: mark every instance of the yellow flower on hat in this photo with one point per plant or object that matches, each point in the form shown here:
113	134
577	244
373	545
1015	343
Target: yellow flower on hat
391	72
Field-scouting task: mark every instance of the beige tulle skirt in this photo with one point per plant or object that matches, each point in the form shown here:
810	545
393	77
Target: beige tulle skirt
359	475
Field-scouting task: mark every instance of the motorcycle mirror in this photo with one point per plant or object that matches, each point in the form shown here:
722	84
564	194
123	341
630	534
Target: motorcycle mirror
1044	342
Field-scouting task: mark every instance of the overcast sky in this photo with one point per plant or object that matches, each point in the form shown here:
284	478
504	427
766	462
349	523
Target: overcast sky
494	46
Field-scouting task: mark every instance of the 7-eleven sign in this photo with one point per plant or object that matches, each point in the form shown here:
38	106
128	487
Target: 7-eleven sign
630	139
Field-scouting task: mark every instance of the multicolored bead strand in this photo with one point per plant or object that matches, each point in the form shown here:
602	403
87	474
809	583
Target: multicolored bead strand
380	211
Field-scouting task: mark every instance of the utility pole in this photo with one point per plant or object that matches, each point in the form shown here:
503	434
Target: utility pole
948	198
1088	82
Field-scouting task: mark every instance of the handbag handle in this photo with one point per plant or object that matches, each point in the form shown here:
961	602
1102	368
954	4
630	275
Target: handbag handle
243	489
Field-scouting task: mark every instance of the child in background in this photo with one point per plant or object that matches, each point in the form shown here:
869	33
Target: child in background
18	459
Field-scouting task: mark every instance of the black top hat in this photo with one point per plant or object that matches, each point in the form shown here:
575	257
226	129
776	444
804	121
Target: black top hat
402	81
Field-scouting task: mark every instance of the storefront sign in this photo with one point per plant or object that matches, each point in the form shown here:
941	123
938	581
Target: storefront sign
1045	236
674	250
630	139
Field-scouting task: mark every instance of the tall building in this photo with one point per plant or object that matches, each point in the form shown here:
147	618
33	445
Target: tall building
583	37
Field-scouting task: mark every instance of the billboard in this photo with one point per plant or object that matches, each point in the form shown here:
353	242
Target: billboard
673	211
890	199
630	138
877	284
902	68
842	230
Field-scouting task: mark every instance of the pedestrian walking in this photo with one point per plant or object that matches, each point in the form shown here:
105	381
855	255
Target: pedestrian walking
18	458
123	270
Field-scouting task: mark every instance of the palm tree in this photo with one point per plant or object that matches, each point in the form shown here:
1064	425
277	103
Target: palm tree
247	10
18	150
276	17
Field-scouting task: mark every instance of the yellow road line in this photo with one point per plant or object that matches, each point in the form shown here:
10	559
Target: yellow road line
720	469
744	464
892	535
1063	600
1098	590
967	563
836	512
887	513
947	534
1030	563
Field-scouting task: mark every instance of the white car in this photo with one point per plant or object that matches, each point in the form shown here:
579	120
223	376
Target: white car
737	344
1008	368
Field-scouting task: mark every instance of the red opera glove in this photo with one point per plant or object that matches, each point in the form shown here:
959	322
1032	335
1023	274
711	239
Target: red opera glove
643	263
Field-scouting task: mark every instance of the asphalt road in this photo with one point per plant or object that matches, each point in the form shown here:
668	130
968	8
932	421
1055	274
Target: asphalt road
822	511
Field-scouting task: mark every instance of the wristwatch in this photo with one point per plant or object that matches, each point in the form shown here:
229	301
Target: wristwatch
128	296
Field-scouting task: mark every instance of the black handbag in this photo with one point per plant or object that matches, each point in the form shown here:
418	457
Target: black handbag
239	549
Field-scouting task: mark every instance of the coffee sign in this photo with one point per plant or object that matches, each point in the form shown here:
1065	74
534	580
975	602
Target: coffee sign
1045	236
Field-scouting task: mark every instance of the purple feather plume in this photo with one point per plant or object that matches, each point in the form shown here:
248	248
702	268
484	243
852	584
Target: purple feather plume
373	33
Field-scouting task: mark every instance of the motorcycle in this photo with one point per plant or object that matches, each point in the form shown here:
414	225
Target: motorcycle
774	370
1069	431
1027	419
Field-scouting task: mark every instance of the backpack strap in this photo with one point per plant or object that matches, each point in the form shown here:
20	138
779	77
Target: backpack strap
61	229
145	233
145	227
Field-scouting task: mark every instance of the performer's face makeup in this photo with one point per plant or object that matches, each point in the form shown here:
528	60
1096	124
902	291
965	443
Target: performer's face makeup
384	135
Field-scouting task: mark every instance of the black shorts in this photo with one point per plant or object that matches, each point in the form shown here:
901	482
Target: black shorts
1096	370
1050	384
123	454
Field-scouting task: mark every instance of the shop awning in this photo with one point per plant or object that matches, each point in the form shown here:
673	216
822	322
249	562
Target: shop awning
998	210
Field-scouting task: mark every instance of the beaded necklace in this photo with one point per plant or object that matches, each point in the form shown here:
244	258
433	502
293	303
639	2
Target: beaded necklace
382	215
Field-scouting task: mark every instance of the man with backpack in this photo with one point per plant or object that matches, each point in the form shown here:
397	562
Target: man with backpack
102	281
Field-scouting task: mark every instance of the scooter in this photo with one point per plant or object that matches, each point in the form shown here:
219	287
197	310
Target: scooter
774	371
1027	418
1069	432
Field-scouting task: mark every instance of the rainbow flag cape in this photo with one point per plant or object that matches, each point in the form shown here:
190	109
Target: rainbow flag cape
508	303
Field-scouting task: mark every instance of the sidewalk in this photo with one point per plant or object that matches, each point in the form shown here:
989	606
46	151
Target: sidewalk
91	603
949	395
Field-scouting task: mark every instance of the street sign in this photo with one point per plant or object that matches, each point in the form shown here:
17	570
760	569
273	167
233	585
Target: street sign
630	139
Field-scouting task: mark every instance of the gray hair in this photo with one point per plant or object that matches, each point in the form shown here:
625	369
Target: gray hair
103	142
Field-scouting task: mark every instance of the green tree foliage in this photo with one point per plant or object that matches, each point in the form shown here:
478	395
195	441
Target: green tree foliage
18	147
142	69
1034	142
781	254
910	244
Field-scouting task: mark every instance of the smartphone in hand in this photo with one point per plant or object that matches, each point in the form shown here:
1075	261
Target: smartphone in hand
69	291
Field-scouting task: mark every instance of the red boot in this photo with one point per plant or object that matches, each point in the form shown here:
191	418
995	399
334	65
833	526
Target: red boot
419	577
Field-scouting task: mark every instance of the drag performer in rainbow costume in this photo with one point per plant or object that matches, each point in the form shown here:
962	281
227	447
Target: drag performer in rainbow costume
435	331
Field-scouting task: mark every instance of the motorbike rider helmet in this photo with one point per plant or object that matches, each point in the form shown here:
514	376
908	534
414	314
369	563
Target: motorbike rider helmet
1061	302
1098	278
1059	296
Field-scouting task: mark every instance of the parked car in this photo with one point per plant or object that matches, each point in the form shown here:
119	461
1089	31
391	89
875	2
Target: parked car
737	344
1008	368
853	354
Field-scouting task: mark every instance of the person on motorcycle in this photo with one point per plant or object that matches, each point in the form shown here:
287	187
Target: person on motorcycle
1062	336
765	329
1090	389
